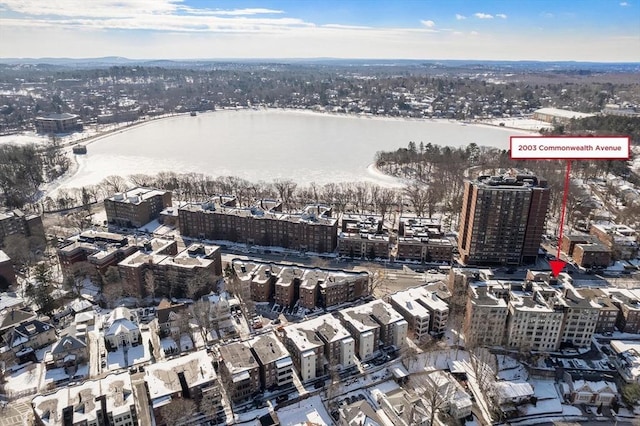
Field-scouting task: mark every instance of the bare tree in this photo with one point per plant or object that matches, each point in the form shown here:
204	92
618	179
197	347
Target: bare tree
385	199
202	316
285	190
115	183
435	392
78	274
150	283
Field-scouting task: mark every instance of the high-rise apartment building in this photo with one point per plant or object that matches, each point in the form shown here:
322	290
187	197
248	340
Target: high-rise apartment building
502	219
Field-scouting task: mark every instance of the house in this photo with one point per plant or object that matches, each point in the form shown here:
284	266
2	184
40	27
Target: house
627	360
121	328
10	318
505	392
359	413
68	351
592	393
169	317
402	408
33	334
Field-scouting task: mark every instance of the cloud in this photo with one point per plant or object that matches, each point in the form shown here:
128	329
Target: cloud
501	15
547	15
428	24
624	3
481	15
460	17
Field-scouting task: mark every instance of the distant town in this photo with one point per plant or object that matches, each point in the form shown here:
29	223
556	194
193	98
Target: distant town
183	299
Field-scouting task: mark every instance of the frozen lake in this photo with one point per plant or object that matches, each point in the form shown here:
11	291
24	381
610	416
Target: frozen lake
269	144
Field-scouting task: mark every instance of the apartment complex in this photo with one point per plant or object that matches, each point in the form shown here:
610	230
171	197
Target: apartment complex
136	207
319	345
541	313
628	303
421	239
373	325
308	287
7	273
58	123
190	377
314	229
14	222
423	310
171	270
240	371
502	219
110	400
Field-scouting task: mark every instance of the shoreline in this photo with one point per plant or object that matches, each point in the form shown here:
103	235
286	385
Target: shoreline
375	175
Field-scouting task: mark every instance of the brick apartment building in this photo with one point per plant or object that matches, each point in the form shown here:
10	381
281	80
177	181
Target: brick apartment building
312	230
287	285
363	237
101	249
620	239
421	239
136	207
276	366
502	219
7	273
15	222
240	371
172	270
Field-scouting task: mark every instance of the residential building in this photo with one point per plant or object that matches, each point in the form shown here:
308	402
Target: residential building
101	249
421	239
628	302
136	207
359	413
533	323
10	318
240	371
569	241
189	377
58	123
291	284
314	229
454	399
276	366
69	351
485	316
592	255
580	318
31	335
169	316
507	392
626	358
596	394
503	219
608	313
121	328
558	116
7	273
373	325
424	311
402	408
15	222
363	237
172	271
319	345
620	239
109	400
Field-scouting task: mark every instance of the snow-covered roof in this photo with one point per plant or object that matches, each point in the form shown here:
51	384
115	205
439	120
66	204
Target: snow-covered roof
513	390
163	378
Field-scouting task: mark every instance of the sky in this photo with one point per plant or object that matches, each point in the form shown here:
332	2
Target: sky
581	30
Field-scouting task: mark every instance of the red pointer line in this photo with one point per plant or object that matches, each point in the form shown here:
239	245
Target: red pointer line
564	205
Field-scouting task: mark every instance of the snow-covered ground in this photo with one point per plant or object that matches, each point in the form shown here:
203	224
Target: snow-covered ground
24	380
520	123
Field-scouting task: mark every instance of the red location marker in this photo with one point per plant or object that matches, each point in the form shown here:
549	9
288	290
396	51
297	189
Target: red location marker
557	266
